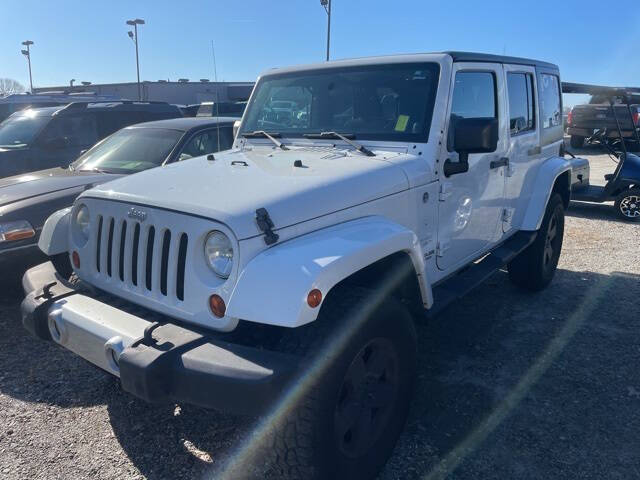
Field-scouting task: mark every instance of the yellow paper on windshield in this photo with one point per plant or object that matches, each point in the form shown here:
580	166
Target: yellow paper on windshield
401	124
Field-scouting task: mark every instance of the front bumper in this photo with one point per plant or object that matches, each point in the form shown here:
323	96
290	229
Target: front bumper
156	359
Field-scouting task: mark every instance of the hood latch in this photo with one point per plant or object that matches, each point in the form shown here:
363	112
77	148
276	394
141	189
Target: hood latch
266	225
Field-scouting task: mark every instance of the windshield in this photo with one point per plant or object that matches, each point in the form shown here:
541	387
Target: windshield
380	102
130	150
20	130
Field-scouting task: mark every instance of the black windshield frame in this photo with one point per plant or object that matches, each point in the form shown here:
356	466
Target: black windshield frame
258	100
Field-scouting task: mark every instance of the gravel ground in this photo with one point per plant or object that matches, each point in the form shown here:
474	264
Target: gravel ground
511	385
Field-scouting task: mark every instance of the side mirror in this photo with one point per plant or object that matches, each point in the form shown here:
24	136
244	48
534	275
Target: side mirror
471	135
57	143
236	127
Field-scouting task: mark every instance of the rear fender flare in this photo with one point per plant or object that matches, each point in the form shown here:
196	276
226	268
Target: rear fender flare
546	178
273	287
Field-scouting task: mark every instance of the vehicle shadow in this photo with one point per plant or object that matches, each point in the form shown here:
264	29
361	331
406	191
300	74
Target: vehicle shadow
594	211
503	374
511	384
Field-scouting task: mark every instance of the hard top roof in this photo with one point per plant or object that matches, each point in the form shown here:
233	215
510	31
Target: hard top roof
416	58
490	58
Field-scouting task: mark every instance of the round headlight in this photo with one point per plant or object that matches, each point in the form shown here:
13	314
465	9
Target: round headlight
219	253
81	224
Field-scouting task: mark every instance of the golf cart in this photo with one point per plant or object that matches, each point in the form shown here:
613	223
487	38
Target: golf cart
623	185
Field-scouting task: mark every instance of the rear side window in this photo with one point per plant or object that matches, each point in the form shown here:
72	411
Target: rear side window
79	130
550	106
521	103
474	95
207	142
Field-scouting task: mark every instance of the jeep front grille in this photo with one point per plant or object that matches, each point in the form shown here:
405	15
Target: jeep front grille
144	255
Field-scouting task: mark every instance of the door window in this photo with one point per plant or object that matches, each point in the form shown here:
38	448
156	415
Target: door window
521	106
78	130
474	95
206	142
550	100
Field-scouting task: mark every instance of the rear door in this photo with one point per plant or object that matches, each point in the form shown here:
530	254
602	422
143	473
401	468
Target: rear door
471	203
524	140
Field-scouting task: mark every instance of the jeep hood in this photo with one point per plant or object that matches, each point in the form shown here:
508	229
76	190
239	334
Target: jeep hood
232	187
28	185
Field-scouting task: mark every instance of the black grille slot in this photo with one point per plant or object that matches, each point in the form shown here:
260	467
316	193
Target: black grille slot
166	243
182	259
150	239
99	241
123	236
110	246
134	254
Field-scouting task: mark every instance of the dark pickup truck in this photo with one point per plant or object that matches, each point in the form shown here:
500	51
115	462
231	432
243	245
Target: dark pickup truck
585	120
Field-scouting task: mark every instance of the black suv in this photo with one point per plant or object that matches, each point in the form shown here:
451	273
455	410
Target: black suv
39	138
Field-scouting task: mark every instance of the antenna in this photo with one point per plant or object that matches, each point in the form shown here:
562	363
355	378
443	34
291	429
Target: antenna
215	79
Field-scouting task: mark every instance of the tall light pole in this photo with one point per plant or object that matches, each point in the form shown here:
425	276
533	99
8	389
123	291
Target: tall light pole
27	53
134	36
327	6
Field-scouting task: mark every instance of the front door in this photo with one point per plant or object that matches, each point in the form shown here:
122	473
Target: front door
471	203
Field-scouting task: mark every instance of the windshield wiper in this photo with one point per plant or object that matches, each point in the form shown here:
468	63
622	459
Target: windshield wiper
346	137
270	136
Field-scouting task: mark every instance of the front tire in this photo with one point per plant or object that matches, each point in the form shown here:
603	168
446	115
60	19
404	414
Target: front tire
534	268
353	410
627	205
577	141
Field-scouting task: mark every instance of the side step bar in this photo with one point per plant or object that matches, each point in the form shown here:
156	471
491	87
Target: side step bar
460	284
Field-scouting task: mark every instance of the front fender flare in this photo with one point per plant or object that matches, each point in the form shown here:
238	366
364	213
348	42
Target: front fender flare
547	175
273	287
54	238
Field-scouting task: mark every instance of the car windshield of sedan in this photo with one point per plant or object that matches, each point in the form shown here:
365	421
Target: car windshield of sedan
129	150
376	102
18	131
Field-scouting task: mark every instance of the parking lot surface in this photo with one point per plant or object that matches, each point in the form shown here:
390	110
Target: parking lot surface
511	385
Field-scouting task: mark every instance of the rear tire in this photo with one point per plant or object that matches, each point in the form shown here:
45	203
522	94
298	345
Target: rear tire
361	357
534	268
577	141
627	205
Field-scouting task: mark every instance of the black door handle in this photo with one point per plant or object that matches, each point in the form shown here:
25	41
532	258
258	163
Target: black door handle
503	162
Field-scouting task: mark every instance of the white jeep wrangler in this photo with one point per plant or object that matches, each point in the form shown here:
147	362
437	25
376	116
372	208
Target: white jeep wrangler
284	275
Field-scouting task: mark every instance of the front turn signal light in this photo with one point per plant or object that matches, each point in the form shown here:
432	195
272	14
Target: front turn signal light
314	298
75	258
217	306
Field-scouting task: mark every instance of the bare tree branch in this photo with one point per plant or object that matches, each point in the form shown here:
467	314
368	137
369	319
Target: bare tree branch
9	86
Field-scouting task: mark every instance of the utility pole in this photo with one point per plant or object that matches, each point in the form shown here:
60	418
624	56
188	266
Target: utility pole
134	36
327	6
27	53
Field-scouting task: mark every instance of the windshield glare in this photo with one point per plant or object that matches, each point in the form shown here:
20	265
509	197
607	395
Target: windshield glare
20	130
380	102
130	150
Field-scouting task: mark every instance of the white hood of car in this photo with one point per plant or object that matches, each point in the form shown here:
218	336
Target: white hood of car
232	187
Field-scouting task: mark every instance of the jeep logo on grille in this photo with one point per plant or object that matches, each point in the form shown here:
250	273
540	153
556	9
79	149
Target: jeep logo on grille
137	214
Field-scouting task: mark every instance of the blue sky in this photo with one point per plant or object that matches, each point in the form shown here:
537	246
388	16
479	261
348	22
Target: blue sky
592	42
